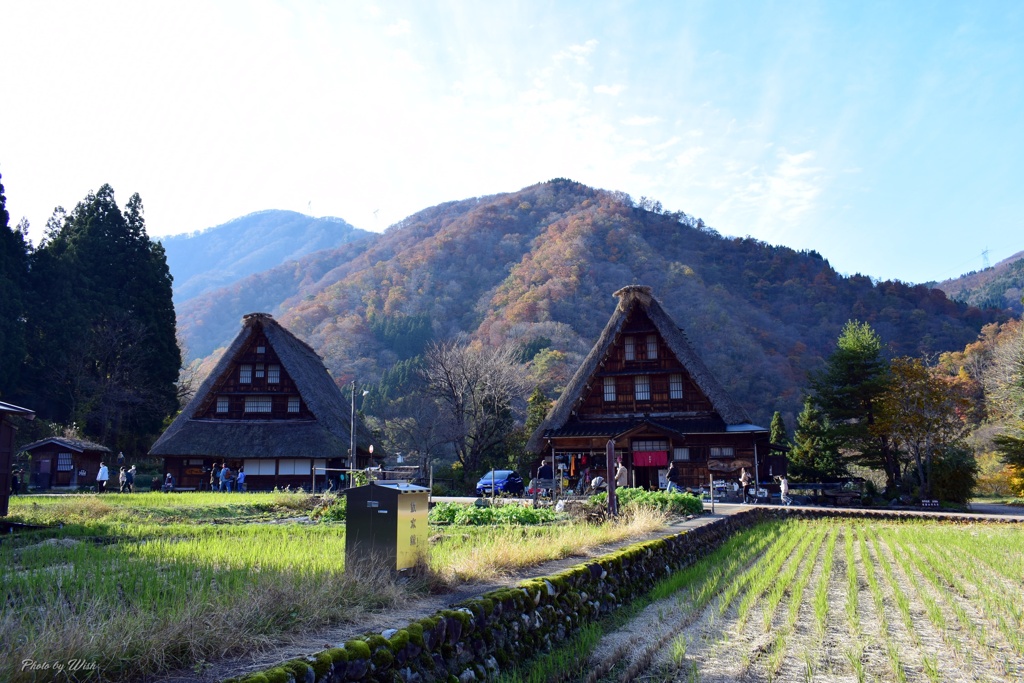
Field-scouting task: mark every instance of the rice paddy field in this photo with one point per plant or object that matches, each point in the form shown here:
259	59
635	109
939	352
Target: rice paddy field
826	600
136	584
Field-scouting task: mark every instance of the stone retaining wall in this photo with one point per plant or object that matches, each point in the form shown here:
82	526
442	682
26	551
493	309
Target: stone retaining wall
476	639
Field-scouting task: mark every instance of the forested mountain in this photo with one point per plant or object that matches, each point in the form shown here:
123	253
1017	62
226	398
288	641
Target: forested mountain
1000	286
218	256
538	267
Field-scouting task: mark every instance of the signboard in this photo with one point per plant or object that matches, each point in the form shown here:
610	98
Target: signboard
412	530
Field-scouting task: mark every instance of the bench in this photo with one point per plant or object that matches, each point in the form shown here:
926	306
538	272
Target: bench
934	504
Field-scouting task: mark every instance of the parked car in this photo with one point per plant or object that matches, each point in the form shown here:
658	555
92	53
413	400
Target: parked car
505	481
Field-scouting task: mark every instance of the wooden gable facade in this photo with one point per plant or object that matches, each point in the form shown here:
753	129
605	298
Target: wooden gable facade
63	462
644	387
270	407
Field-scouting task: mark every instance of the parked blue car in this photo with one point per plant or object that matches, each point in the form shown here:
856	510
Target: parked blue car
505	481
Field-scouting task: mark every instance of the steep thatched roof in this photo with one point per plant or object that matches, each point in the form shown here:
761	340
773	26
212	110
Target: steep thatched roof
77	445
629	297
326	435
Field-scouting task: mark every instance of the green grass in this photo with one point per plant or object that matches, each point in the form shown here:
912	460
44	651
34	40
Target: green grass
160	507
149	582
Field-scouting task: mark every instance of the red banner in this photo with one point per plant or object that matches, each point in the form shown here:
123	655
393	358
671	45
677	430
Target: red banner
650	458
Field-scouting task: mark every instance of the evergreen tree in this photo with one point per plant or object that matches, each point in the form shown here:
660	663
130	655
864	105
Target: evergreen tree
13	275
814	455
848	392
779	433
102	330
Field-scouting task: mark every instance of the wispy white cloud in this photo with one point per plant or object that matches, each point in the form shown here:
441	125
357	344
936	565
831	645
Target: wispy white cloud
612	90
642	120
402	27
579	53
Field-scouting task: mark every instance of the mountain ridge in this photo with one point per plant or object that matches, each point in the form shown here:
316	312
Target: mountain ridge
219	255
538	266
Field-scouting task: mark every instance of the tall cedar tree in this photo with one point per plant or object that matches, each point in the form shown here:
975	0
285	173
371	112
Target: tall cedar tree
814	456
102	324
13	275
848	392
779	434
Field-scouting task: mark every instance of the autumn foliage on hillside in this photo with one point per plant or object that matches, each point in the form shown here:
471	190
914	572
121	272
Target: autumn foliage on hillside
538	267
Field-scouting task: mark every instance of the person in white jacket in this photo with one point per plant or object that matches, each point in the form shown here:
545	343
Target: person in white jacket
101	478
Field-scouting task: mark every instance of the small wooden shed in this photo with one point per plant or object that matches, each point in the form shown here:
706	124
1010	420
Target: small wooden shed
64	462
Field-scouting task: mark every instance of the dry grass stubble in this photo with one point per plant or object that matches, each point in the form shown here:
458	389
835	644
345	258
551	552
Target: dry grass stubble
127	644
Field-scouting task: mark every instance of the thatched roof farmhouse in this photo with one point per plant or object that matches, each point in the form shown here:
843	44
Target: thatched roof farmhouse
269	406
644	387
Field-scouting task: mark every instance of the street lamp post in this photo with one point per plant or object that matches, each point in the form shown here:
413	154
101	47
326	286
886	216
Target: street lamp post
352	439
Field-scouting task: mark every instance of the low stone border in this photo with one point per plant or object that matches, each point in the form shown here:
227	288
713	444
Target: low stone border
480	637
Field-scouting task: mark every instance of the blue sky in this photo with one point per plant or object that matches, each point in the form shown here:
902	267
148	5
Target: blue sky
886	136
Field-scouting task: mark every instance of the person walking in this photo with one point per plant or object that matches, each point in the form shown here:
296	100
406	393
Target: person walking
744	482
122	481
214	476
240	480
224	472
674	477
129	477
784	490
101	478
621	476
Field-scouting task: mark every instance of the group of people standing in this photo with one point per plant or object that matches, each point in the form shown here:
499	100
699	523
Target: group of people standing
223	478
125	477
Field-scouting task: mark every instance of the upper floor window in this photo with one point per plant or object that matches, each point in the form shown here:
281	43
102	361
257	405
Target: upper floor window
642	386
675	386
222	404
293	404
258	404
630	346
273	374
681	454
260	372
609	389
722	452
245	374
652	346
262	348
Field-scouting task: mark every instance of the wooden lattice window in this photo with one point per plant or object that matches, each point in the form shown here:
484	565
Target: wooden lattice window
258	404
273	374
245	374
64	462
222	404
642	386
652	346
293	404
609	389
630	348
675	386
